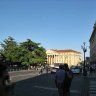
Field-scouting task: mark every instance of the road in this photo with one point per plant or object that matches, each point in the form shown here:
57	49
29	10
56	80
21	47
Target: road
23	74
32	84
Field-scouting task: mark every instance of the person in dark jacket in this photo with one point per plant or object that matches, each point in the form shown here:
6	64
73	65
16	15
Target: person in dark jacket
68	79
2	85
4	79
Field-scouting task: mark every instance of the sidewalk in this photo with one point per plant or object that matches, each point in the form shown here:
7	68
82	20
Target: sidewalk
85	87
92	84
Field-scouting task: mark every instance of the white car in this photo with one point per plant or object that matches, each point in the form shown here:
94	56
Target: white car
53	70
75	70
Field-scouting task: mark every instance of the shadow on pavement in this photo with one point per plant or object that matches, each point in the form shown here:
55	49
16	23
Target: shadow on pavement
40	85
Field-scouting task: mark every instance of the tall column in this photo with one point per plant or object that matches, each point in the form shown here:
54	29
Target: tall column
49	59
54	58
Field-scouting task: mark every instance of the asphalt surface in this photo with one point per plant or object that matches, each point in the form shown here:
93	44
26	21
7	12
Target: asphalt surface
22	75
31	83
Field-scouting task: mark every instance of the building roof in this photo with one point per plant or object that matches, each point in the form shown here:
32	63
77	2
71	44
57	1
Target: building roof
67	50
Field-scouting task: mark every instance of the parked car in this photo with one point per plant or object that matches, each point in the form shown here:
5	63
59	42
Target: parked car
76	70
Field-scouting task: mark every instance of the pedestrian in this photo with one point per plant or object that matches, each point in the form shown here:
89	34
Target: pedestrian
91	69
4	69
88	71
60	79
2	80
68	79
6	87
47	69
41	70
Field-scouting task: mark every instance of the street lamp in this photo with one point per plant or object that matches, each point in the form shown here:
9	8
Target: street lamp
84	50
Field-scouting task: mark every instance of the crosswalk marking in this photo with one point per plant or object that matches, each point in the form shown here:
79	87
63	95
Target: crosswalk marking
92	95
55	89
92	88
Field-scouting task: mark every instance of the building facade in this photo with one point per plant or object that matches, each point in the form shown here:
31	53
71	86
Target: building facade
70	57
93	45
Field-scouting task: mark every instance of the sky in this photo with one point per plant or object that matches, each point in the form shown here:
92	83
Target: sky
56	24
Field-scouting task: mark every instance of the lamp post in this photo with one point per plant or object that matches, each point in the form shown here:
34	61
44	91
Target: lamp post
84	50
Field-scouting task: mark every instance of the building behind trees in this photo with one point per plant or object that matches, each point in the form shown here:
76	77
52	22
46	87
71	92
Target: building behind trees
71	57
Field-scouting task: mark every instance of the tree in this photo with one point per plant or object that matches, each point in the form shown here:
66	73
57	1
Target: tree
26	53
8	49
35	54
29	45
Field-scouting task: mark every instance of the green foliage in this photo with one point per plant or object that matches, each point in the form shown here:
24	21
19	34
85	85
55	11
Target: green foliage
27	53
9	46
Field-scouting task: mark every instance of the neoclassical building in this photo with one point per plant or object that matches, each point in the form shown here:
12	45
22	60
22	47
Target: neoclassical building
92	41
63	56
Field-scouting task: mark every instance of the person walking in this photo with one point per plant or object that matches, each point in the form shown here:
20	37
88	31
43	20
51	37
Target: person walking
60	79
41	70
6	88
68	80
2	80
47	69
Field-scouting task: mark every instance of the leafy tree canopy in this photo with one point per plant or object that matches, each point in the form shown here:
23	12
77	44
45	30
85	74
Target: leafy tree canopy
27	52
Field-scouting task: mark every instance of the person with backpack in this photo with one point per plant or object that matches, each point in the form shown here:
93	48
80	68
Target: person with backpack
60	79
68	79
